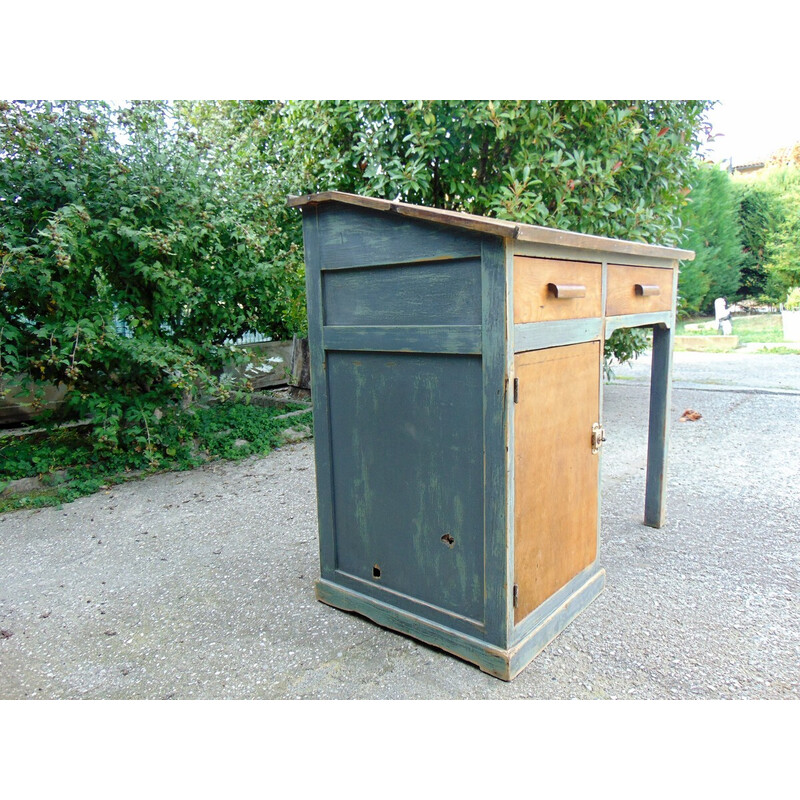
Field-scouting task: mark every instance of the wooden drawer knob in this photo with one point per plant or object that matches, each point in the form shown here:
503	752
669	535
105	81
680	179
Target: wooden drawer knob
564	291
647	289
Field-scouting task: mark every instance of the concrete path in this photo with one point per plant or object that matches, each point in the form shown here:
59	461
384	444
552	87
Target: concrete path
200	585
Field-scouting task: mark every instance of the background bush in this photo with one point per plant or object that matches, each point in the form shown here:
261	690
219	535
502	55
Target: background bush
127	263
137	242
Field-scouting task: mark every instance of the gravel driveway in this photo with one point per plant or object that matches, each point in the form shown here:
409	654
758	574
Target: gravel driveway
200	584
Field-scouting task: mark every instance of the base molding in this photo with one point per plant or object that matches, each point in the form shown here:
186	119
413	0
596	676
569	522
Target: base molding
502	663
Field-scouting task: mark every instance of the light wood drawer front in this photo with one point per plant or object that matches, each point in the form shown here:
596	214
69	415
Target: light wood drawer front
638	290
546	289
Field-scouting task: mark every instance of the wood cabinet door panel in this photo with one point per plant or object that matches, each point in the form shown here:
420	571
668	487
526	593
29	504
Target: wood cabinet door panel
555	471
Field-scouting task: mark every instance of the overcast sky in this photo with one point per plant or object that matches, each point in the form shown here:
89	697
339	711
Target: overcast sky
752	129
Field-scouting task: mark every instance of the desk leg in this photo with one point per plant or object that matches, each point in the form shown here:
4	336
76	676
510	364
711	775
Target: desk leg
658	436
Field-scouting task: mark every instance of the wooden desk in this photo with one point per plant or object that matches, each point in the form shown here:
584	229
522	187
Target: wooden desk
457	390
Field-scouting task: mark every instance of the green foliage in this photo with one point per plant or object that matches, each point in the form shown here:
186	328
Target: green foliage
793	299
758	213
712	231
617	168
116	222
170	224
783	265
180	440
624	345
609	168
770	219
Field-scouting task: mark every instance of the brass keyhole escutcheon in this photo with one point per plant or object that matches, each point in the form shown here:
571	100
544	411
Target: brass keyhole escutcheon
598	437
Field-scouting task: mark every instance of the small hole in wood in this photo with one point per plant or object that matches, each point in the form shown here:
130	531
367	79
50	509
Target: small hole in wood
376	571
448	540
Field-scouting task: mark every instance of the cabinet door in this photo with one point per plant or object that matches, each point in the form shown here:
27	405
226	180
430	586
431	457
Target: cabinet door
555	470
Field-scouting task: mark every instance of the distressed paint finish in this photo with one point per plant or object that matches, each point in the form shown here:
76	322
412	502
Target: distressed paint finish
405	338
539	335
407	442
358	237
495	383
660	318
413	349
437	293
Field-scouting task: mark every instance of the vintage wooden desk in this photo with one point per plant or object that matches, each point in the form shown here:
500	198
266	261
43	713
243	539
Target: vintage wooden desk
457	393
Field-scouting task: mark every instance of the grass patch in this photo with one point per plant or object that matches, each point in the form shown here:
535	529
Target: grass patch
780	351
67	459
751	328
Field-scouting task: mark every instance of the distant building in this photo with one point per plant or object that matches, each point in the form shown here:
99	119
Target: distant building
749	167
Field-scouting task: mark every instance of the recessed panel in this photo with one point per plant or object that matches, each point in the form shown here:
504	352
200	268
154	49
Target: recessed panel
555	470
407	451
444	293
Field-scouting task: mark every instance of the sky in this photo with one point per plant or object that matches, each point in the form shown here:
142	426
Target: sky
749	130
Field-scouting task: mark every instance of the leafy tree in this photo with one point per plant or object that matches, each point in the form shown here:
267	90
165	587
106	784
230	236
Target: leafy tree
758	209
712	231
783	266
617	168
769	210
126	264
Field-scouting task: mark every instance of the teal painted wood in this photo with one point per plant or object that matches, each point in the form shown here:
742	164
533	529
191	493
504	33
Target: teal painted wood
319	397
408	474
663	318
537	639
494	427
658	431
539	335
430	293
353	237
546	610
464	339
489	658
509	440
412	348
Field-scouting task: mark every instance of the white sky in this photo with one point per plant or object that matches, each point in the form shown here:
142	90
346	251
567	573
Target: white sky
753	128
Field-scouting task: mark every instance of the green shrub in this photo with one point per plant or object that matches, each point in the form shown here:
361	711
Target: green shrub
127	265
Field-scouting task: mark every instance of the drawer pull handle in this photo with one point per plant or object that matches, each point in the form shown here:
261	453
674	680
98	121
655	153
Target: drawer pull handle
566	290
647	290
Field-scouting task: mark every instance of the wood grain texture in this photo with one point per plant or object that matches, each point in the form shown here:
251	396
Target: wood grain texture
556	474
622	296
535	302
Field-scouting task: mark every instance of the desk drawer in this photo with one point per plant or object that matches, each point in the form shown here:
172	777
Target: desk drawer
547	289
638	290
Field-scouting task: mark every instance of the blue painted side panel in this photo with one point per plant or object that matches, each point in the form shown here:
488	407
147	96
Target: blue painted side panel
443	293
351	237
407	453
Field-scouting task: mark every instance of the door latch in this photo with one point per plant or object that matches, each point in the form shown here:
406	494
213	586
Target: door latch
598	437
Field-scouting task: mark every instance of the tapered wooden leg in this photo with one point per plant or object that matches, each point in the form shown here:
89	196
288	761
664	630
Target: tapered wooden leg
658	436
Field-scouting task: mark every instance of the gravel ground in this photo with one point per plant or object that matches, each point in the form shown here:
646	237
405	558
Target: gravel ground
200	585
